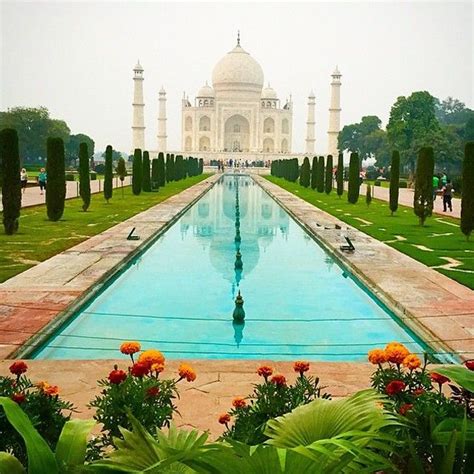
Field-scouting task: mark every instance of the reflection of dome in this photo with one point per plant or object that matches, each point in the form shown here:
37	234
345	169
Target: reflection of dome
206	92
239	70
269	93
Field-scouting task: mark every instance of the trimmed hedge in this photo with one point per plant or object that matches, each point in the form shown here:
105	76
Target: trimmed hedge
55	170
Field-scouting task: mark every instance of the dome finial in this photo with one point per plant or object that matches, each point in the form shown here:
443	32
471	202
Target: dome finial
238	37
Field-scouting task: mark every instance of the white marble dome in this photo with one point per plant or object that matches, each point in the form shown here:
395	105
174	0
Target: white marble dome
237	67
269	93
205	91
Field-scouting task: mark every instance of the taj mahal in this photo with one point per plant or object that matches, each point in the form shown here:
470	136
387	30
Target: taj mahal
237	115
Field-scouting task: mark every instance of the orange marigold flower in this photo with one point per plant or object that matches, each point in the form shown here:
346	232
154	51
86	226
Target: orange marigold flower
239	402
19	397
48	389
265	371
153	392
150	357
438	378
279	380
185	371
396	352
377	356
224	419
117	376
301	366
18	368
412	362
158	368
394	387
405	408
130	347
418	391
139	369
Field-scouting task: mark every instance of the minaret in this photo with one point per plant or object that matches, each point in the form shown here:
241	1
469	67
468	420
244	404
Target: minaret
162	121
310	124
138	125
334	113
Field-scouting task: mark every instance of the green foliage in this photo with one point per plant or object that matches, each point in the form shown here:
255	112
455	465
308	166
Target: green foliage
469	130
288	169
354	180
161	170
423	197
314	173
179	170
146	178
84	176
11	186
72	148
155	176
340	175
137	172
452	111
169	168
328	177
320	175
121	171
109	174
201	166
467	198
368	194
394	181
305	173
55	170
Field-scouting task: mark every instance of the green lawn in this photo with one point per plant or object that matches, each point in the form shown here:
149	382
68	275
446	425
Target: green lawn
39	239
439	239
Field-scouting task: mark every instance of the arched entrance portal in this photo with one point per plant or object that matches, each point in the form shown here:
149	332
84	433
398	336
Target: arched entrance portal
237	134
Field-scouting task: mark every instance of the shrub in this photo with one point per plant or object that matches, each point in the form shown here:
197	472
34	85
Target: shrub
146	182
70	177
201	165
84	176
305	173
161	170
55	170
403	184
314	173
93	176
394	181
372	173
377	182
155	178
354	179
368	195
320	175
179	172
99	168
11	186
169	167
328	178
121	171
274	397
467	198
109	174
137	172
423	198
340	175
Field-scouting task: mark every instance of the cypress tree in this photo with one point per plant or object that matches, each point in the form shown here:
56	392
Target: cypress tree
161	170
109	174
314	173
137	172
170	168
340	175
394	181
368	195
146	180
423	199
84	176
467	197
320	175
305	173
121	171
328	179
178	168
56	172
11	186
354	180
154	174
201	165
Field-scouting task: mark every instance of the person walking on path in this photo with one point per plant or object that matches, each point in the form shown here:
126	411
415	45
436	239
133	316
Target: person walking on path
42	180
448	196
435	186
23	179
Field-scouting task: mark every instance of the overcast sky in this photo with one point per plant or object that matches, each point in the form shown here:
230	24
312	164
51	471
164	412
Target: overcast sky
77	58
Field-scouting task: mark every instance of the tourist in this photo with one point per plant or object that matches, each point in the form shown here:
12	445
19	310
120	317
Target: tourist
23	179
42	180
448	196
435	186
444	180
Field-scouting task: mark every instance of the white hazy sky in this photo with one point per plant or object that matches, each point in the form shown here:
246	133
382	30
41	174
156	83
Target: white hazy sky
77	58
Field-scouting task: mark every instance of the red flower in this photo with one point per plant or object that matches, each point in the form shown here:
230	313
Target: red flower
301	367
239	402
469	364
18	368
394	387
438	378
405	408
153	392
279	380
139	369
117	376
418	391
224	419
19	397
265	371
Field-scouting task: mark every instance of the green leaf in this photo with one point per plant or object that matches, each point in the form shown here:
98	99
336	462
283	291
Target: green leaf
9	464
459	375
40	457
72	444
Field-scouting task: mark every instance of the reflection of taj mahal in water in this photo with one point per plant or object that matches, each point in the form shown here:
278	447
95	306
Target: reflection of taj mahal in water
213	217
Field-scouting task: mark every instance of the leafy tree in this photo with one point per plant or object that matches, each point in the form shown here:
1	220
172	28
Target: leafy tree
169	167
394	181
179	168
467	199
161	170
354	180
320	175
116	155
109	174
11	186
368	194
72	147
423	198
452	111
56	171
314	173
340	175
469	130
377	143
121	171
146	183
154	175
137	172
84	176
305	173
328	178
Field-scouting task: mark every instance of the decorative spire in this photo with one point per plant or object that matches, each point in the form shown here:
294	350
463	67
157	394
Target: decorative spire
238	37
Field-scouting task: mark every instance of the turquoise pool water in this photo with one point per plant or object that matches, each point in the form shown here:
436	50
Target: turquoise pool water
178	296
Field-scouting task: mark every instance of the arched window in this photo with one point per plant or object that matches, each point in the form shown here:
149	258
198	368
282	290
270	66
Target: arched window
268	125
263	103
204	144
204	124
200	102
236	128
188	124
284	126
188	144
268	145
206	103
269	104
284	146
